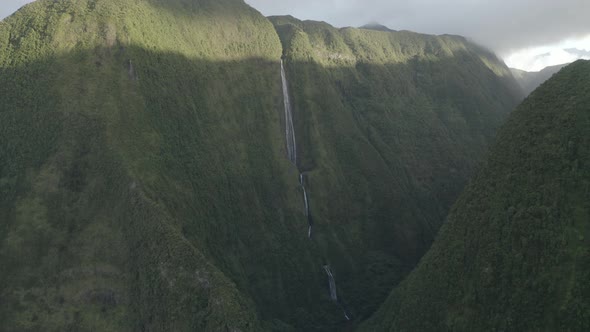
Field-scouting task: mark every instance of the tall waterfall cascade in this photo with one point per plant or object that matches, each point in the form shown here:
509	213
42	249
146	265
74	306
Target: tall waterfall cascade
333	293
331	283
292	143
292	156
306	201
289	128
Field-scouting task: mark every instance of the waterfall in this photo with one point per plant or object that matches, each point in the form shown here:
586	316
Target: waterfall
333	294
332	283
292	143
289	128
292	156
346	315
306	200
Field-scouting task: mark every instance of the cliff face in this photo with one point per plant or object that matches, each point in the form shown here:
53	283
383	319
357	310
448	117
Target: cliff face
390	127
144	179
113	175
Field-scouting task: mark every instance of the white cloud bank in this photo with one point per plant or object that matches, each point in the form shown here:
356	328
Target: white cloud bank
537	58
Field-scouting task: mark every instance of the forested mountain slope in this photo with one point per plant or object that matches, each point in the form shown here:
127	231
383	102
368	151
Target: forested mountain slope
390	126
514	254
130	158
144	183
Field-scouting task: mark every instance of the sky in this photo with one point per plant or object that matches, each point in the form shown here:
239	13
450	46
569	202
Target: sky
7	7
527	34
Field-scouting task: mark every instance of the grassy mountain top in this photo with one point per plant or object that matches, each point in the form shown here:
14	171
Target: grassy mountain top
348	46
376	26
200	29
514	254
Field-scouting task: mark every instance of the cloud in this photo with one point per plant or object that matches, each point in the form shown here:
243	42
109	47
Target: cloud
558	56
537	58
502	25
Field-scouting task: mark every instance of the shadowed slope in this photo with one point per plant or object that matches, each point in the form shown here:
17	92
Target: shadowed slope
514	254
95	234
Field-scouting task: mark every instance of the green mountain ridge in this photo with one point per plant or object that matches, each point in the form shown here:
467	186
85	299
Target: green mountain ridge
514	253
144	183
376	26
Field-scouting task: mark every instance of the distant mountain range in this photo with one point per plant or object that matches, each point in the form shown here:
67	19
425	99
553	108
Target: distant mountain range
376	26
529	81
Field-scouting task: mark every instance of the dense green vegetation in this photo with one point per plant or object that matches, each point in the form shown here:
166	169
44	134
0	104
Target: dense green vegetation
111	118
514	254
392	124
529	81
143	178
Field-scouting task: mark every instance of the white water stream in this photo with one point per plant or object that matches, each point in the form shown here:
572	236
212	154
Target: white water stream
289	128
292	156
332	283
